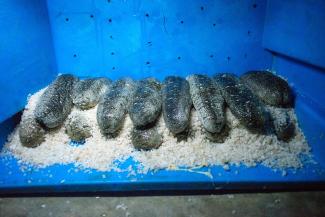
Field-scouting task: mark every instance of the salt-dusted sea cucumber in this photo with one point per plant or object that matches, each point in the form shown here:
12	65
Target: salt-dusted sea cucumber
55	104
113	106
176	104
271	89
284	127
146	104
208	102
31	133
77	128
146	139
242	102
86	93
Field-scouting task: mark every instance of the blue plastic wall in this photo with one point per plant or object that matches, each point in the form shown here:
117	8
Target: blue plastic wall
296	29
27	60
140	38
294	32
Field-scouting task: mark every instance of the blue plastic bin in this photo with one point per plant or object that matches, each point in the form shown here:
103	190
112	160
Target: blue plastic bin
141	38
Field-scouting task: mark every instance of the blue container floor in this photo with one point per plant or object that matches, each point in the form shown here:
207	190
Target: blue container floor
68	178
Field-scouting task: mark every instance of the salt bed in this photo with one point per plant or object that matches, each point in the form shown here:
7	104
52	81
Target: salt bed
100	153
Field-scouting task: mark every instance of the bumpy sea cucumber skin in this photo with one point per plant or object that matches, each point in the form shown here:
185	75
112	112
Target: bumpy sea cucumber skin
31	133
77	128
271	89
284	127
176	104
56	103
113	106
146	139
86	93
146	104
208	102
242	102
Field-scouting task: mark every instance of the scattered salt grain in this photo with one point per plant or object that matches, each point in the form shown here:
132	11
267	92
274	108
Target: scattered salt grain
230	196
233	212
43	205
226	167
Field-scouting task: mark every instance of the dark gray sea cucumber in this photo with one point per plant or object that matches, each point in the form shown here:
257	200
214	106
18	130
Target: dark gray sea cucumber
31	133
208	102
242	102
86	93
77	128
271	89
55	104
176	104
146	139
113	106
146	104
